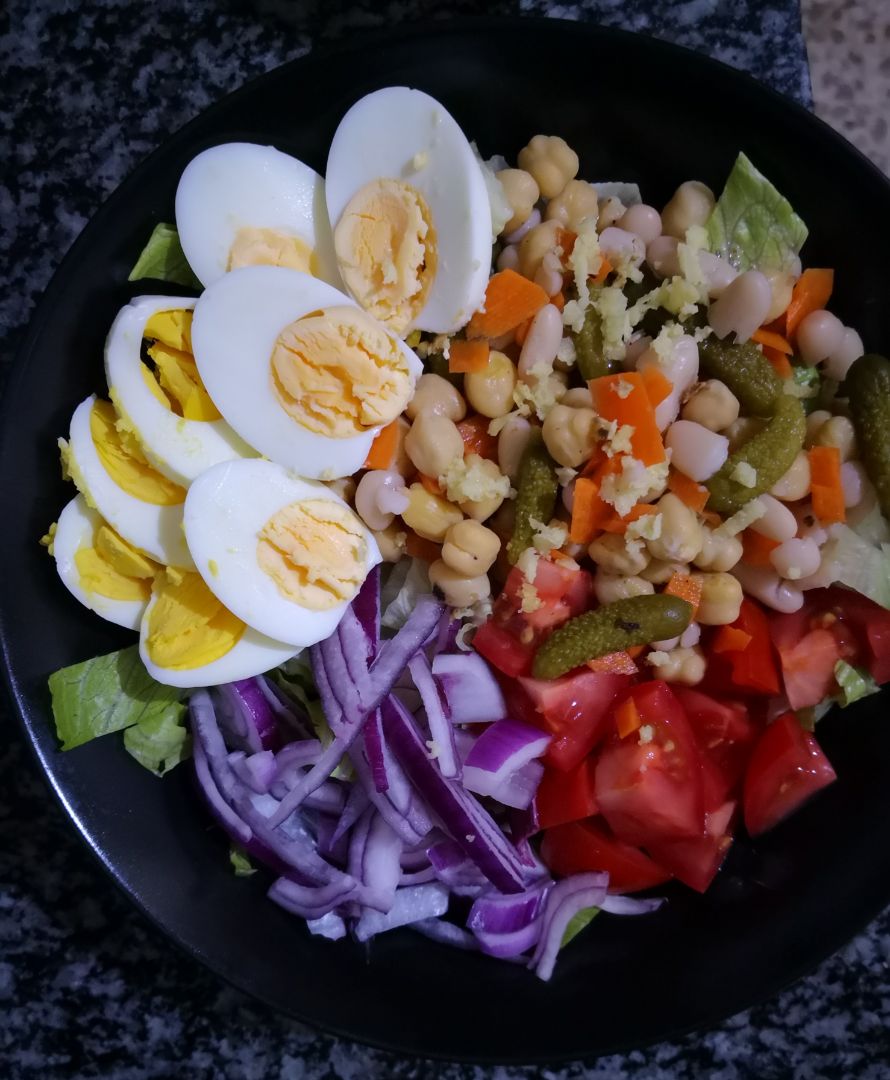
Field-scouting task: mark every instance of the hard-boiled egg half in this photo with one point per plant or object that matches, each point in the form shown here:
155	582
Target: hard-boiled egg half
286	555
165	405
298	369
99	567
106	463
410	212
241	204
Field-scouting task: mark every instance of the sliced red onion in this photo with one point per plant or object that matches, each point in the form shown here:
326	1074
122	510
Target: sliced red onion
309	901
356	804
460	814
345	689
329	926
332	847
295	755
504	748
329	798
245	707
358	841
446	933
454	869
411	905
396	817
566	899
499	914
471	691
446	635
441	731
511	943
310	781
524	823
631	905
394	654
380	866
367	609
286	710
373	736
236	828
355	646
258	770
418	877
517	790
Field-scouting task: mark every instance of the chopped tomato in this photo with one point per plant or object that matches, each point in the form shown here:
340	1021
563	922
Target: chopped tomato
786	768
751	670
724	733
589	845
696	862
858	622
474	432
566	796
576	710
649	785
808	668
502	649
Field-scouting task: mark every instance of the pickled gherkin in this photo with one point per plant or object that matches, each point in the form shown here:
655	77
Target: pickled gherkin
770	453
868	387
638	620
536	491
745	370
589	356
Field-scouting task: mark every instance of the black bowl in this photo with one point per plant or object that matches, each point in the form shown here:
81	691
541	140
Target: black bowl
635	109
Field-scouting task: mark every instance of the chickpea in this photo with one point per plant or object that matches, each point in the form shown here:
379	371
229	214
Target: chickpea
721	599
522	193
430	516
570	435
551	161
711	404
814	425
436	395
577	201
482	509
642	220
691	204
392	542
512	441
611	210
490	392
470	549
682	665
660	571
718	553
838	432
610	553
681	535
535	245
611	587
433	443
795	484
577	398
741	430
459	591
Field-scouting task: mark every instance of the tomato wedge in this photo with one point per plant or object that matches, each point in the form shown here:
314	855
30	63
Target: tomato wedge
566	796
649	785
589	845
808	668
751	670
725	735
786	768
503	650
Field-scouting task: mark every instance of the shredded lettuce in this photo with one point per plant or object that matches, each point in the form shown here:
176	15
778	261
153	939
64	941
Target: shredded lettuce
753	225
848	559
871	527
241	864
115	692
625	191
162	259
577	923
854	683
160	742
808	382
407	582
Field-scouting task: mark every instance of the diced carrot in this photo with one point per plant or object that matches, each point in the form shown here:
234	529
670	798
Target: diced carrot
431	484
588	510
623	398
694	495
509	300
616	524
420	548
474	432
627	718
605	268
383	447
633	651
470	355
613	663
558	300
826	490
685	587
781	363
658	385
565	239
811	292
730	639
770	338
756	549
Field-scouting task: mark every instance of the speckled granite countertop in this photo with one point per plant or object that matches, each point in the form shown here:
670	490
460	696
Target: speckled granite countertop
87	987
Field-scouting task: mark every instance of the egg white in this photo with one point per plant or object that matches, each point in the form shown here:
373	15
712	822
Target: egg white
253	654
181	449
236	324
156	530
239	185
225	511
76	529
404	134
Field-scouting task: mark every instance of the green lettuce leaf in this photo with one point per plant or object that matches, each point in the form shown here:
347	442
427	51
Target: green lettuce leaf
408	580
854	683
110	693
753	225
849	559
241	864
162	259
159	743
809	381
577	923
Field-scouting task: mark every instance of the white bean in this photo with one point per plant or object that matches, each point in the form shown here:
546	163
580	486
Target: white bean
380	495
853	481
634	351
795	558
818	335
549	275
509	258
719	274
767	587
690	636
795	484
808	527
533	219
512	442
841	360
682	370
778	523
620	243
696	451
666	644
541	343
661	255
643	220
742	307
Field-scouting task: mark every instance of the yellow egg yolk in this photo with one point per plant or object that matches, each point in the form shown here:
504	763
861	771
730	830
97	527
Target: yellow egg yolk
267	247
187	626
171	328
175	382
316	553
124	462
114	568
386	250
338	373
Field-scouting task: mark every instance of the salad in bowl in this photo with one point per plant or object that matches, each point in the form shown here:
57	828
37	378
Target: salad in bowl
495	540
